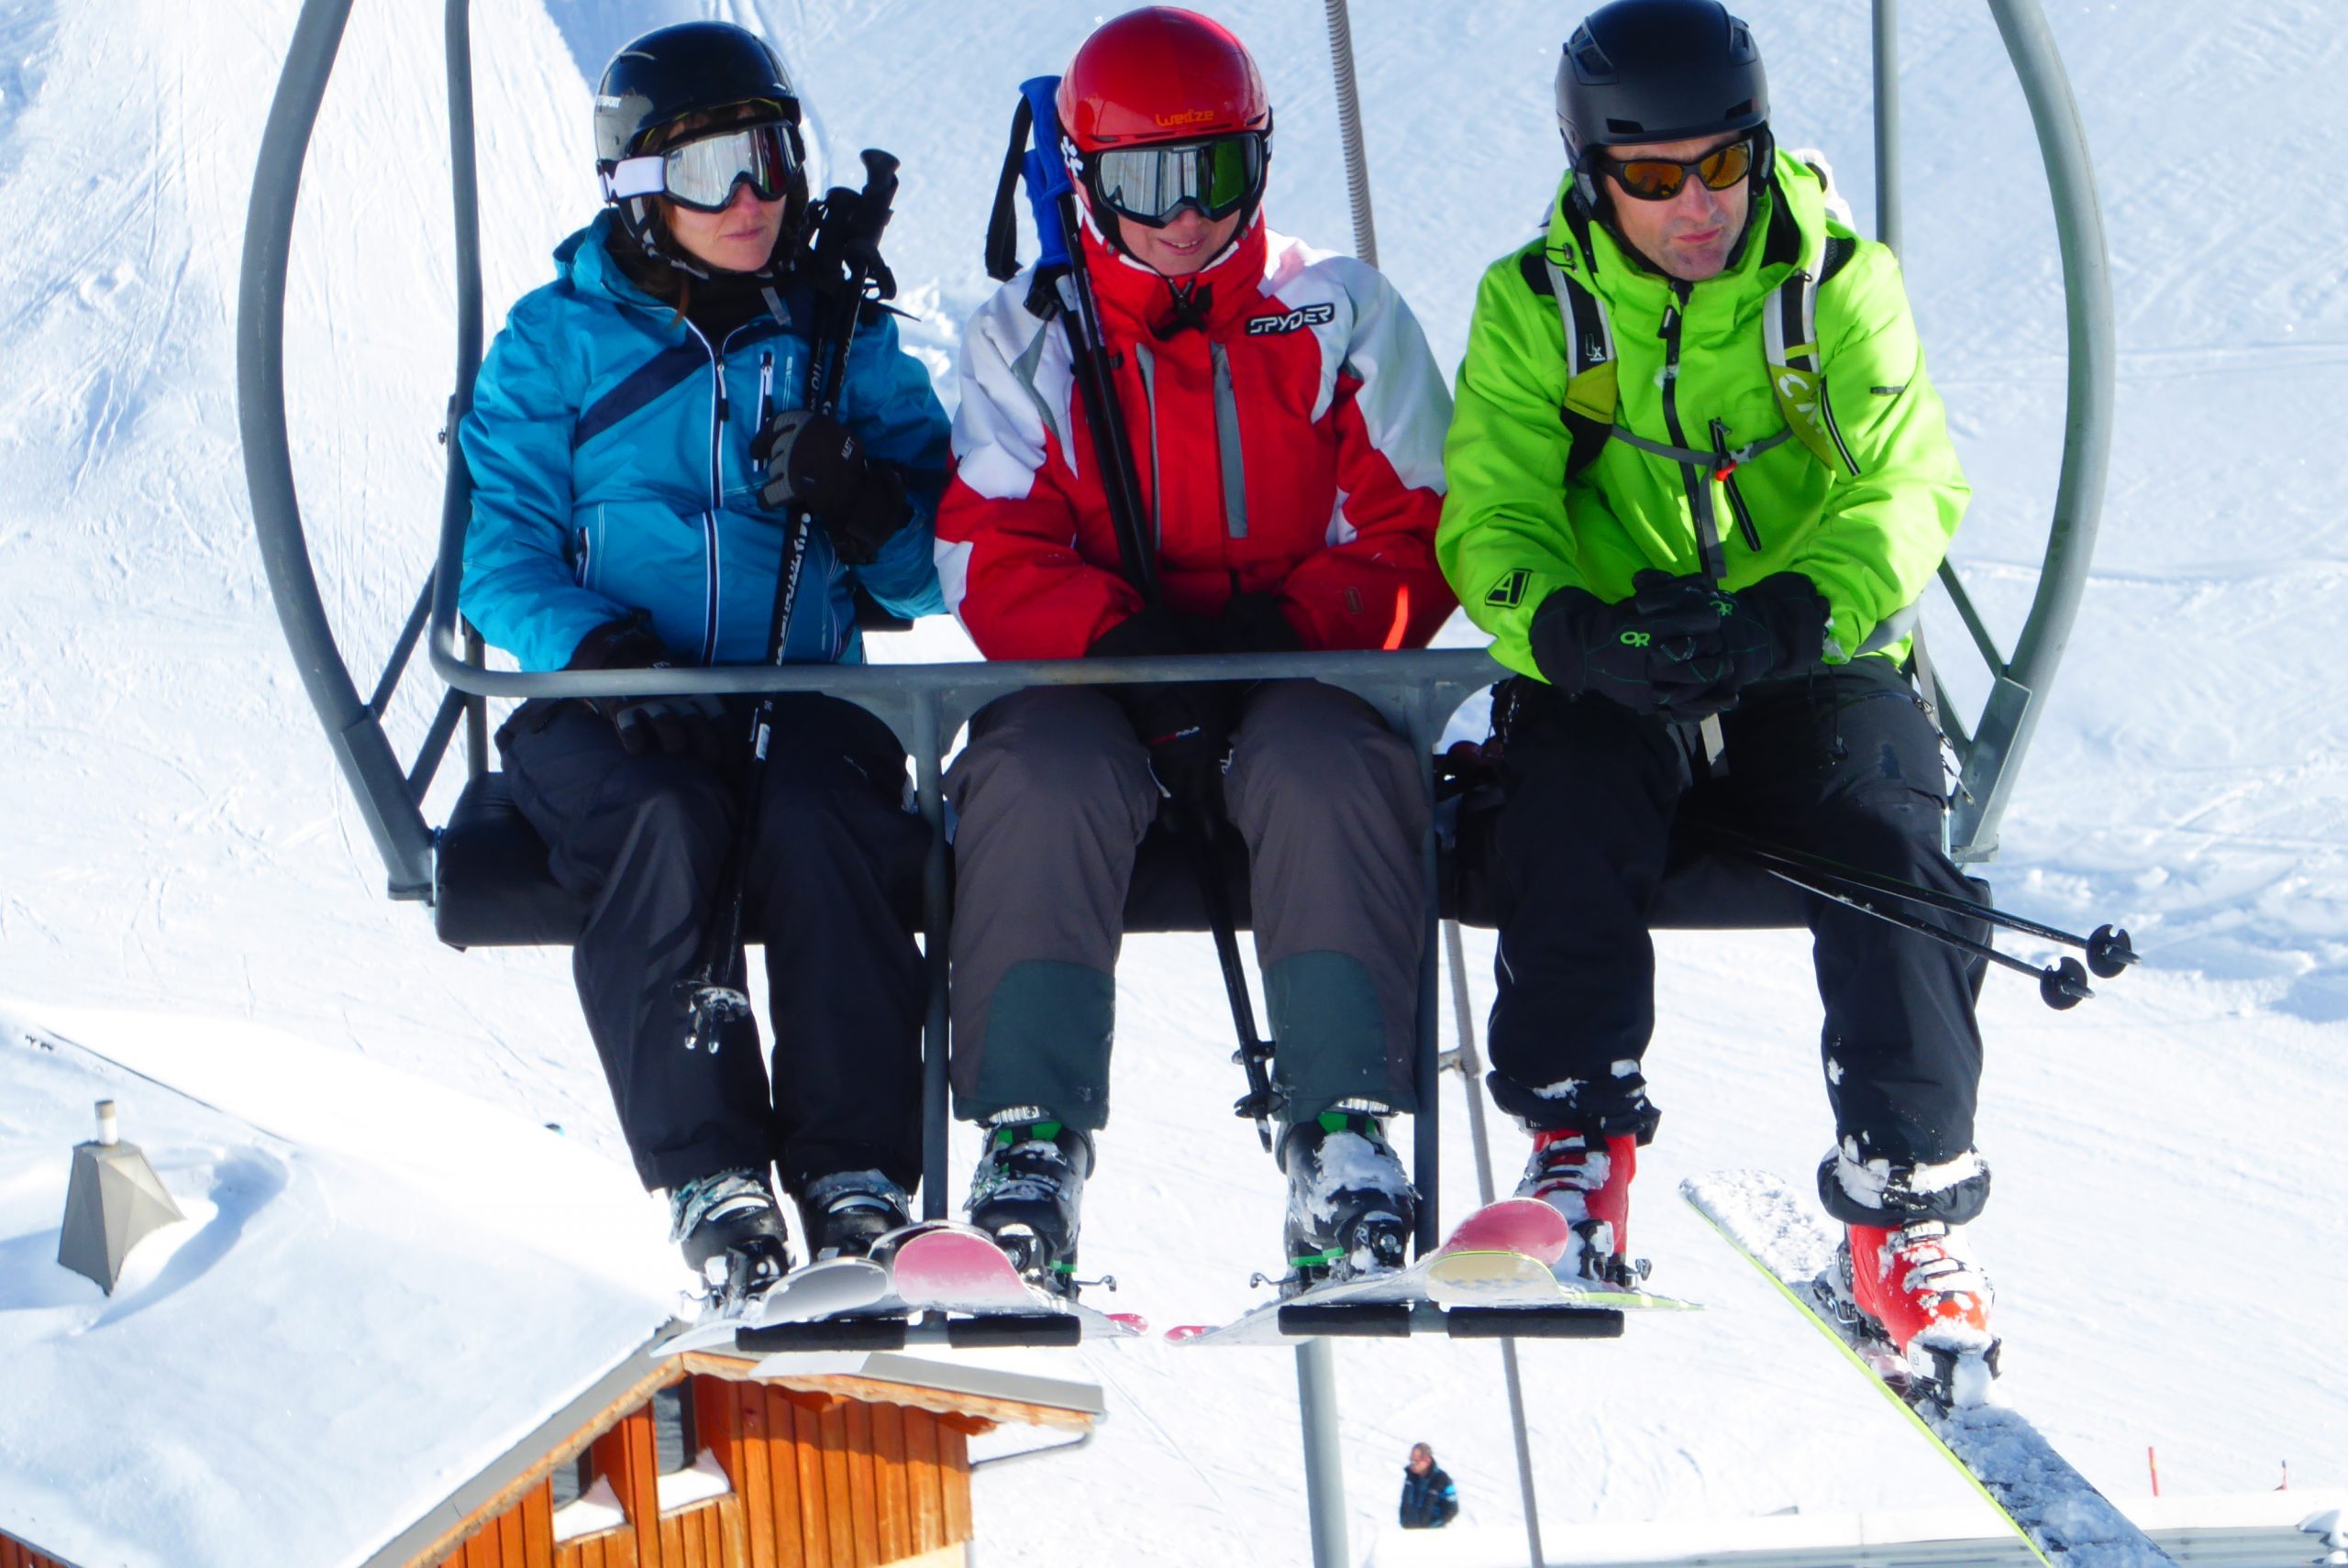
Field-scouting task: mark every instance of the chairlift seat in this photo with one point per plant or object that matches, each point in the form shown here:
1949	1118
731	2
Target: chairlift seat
492	888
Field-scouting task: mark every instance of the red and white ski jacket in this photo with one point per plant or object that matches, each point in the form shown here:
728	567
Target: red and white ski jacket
1292	444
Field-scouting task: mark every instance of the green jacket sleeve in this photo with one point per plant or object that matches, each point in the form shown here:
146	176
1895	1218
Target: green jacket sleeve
1887	525
1507	540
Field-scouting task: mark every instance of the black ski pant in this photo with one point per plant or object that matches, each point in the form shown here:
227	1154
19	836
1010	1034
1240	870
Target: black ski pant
833	885
1844	763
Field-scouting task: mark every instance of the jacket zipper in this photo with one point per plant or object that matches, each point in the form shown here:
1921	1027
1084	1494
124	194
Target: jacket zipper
718	412
1699	485
1727	472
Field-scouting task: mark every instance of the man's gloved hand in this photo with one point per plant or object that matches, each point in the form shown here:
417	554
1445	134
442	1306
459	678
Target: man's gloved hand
686	724
812	460
1641	659
1252	624
1186	725
1773	627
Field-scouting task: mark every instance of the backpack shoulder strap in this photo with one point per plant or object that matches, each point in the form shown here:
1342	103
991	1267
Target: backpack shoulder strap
1789	331
1590	394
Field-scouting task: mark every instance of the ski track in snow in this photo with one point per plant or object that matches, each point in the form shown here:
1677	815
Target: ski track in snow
2167	1157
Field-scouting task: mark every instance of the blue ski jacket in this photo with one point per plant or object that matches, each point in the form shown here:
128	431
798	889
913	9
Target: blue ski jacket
1429	1501
609	444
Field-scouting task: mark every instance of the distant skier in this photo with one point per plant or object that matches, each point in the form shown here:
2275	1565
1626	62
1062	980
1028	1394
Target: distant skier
1700	537
1285	418
1429	1499
626	423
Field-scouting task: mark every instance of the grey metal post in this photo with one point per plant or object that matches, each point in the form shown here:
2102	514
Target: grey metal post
2012	711
927	743
1887	122
376	778
1341	57
456	486
1325	1469
1472	1071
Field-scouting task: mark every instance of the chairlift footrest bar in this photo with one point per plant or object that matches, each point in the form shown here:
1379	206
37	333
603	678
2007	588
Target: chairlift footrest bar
1534	1322
1014	1329
824	1335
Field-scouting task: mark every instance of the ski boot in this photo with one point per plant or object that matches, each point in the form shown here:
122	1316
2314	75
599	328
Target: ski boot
733	1237
1905	1280
1350	1204
844	1213
1027	1191
1587	1179
1917	1289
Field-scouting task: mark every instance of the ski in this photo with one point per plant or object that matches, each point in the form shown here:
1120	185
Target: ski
1494	1277
944	1267
817	1291
2041	1495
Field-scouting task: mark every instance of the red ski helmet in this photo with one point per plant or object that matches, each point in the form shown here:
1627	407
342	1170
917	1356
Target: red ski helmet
1165	77
1161	74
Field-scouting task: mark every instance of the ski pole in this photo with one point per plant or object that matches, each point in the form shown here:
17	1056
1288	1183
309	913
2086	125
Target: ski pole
1254	1053
2109	951
1063	285
853	256
2061	986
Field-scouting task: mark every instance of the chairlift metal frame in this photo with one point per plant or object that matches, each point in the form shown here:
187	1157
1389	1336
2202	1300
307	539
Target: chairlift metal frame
927	704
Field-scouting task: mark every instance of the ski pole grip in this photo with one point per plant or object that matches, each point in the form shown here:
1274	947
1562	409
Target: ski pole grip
880	179
1046	171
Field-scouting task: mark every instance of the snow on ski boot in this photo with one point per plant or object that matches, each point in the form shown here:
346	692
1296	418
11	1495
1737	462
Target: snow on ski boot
1590	1186
1027	1192
733	1237
1350	1204
1918	1286
845	1212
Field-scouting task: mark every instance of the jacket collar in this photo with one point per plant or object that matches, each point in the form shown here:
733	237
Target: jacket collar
1139	302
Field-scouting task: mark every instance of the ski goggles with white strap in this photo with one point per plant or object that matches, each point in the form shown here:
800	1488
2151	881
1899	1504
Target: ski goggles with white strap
1151	185
703	173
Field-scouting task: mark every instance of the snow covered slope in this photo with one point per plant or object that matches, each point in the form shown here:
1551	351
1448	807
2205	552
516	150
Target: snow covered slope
2168	1157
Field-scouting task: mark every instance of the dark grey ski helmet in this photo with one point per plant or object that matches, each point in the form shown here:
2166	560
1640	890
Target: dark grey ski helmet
1656	71
692	68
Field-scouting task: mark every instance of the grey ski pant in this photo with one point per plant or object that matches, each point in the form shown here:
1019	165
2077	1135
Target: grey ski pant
833	883
1054	795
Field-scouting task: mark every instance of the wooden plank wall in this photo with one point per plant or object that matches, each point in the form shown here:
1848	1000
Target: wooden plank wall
15	1553
819	1482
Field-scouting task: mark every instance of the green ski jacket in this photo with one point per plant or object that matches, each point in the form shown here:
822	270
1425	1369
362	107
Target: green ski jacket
1863	505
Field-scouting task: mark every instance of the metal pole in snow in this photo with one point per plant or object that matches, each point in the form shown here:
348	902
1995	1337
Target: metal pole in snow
2152	1463
1472	1075
1324	1470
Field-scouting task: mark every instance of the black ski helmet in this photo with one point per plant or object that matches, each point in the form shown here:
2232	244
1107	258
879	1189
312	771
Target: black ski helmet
1658	71
692	68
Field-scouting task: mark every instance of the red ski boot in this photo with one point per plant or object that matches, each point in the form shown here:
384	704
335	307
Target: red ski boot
1590	1186
1921	1286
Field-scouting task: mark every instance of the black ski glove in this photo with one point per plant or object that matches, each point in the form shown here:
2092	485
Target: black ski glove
812	460
1186	725
1252	622
681	724
1771	628
1643	661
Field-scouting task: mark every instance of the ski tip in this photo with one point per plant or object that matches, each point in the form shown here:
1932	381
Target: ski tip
1131	1322
1183	1333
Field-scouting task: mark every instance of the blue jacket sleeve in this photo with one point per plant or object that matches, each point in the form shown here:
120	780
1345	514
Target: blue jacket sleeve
894	410
520	589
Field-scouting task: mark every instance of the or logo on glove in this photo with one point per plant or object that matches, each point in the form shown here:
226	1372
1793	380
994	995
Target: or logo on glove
1683	647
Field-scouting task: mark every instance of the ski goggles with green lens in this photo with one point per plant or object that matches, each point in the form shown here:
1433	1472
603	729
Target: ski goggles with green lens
1660	179
1150	185
703	173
